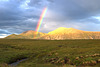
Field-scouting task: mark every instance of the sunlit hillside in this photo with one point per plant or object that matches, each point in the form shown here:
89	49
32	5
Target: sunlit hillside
26	35
71	33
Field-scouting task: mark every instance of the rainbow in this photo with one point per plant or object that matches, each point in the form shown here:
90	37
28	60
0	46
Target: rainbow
41	20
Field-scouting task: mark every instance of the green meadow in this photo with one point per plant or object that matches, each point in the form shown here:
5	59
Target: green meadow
50	53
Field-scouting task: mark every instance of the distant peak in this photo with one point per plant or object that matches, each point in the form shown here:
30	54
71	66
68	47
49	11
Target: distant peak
13	34
29	31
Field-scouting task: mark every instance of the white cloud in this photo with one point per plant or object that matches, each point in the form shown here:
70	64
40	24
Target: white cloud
97	17
3	35
25	4
4	0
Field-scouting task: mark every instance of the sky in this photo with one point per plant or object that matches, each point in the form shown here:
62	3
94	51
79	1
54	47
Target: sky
17	16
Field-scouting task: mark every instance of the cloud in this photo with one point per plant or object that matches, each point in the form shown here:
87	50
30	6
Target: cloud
76	10
3	35
78	14
17	16
40	3
13	17
4	31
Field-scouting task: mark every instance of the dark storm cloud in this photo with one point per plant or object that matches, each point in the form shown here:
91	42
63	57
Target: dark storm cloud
76	9
19	26
10	10
14	17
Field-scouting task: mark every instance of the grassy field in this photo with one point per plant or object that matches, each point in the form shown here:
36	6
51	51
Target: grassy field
46	53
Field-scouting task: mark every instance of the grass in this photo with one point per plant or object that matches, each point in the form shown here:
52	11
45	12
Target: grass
46	53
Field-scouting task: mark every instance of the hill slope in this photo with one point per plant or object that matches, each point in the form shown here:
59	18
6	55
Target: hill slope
58	34
70	33
26	35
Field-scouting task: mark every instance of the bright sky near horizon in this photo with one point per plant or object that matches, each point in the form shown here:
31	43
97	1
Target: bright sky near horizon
17	16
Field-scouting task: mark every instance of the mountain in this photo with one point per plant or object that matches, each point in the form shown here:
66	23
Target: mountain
32	34
26	35
58	34
70	33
